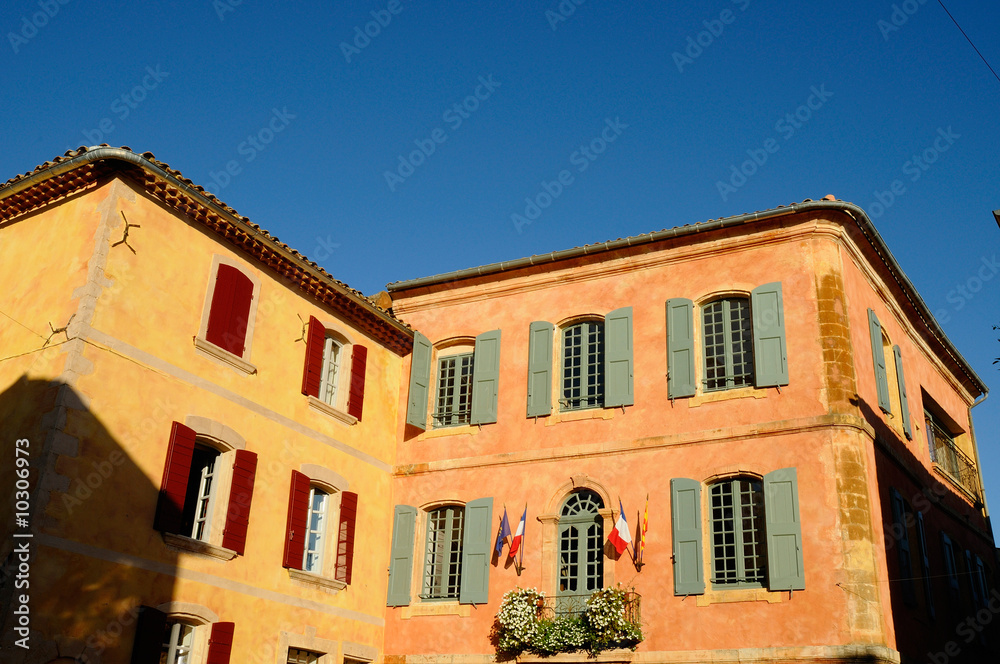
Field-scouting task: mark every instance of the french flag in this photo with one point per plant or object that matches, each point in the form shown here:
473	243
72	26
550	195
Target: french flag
620	537
515	543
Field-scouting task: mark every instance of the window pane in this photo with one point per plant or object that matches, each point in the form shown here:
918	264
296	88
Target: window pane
330	372
177	638
296	656
738	542
454	396
728	339
583	366
581	551
313	555
443	559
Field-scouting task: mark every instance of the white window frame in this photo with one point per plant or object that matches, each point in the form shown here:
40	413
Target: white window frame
330	374
321	529
174	642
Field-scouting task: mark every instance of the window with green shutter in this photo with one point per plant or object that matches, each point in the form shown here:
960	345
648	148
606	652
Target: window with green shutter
454	390
583	366
737	531
728	344
443	553
581	551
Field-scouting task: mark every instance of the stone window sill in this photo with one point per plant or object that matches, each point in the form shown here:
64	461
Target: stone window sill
580	415
436	609
441	432
714	596
727	395
190	545
316	581
332	411
236	362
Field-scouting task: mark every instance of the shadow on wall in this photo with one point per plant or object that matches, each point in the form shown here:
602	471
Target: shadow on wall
93	557
934	620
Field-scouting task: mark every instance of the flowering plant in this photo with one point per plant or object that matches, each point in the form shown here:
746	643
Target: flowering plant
608	617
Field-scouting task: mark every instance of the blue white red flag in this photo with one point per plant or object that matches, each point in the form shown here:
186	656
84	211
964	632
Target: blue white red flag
515	543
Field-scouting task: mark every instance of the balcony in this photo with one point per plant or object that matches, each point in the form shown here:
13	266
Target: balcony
946	456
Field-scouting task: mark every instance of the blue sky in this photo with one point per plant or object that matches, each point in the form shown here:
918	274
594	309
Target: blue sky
309	114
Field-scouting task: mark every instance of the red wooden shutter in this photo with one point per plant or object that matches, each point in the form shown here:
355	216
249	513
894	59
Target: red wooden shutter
220	643
173	486
298	521
240	496
148	641
229	316
313	371
356	400
345	538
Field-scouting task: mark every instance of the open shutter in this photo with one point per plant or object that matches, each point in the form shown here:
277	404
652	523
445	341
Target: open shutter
148	643
770	355
618	358
420	378
345	536
313	371
298	521
477	550
404	521
229	316
784	530
356	398
925	563
540	368
685	514
680	348
903	402
220	643
878	359
240	496
485	378
173	486
902	535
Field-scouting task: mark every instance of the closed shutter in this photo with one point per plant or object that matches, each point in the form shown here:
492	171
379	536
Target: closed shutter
404	521
950	569
345	536
220	643
240	496
878	359
903	402
298	521
540	368
902	535
770	354
420	378
485	378
356	398
312	373
680	348
925	564
685	514
229	316
173	486
618	359
148	643
971	572
784	530
477	551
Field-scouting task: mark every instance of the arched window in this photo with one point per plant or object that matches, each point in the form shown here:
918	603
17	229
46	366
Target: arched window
178	639
739	558
728	343
581	550
330	373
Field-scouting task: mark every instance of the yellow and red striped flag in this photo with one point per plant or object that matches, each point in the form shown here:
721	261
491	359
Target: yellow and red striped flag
645	527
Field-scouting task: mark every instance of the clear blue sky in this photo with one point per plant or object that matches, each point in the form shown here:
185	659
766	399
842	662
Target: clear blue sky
199	83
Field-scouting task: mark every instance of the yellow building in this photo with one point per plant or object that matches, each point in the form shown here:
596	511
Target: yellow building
204	417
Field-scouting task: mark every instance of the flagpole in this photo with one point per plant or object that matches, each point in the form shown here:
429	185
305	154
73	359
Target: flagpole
520	565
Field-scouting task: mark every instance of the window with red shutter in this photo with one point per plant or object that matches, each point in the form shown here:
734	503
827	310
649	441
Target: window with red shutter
174	486
148	642
229	315
220	643
345	536
240	497
297	523
359	363
313	371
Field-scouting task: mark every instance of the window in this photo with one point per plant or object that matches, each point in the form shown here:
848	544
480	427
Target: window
203	486
443	553
316	535
454	393
455	548
581	551
176	638
901	515
177	641
743	343
321	518
297	656
946	454
756	535
325	363
949	553
583	366
728	342
737	527
227	321
890	384
467	383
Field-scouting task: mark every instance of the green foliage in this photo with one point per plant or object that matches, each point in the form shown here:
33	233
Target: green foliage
610	621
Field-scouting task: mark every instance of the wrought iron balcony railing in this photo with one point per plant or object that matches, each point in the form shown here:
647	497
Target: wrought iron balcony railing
952	460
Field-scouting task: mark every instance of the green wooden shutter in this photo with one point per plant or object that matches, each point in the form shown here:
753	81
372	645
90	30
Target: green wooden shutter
902	537
685	513
485	378
770	355
420	378
540	369
680	348
878	359
477	550
404	521
618	358
925	564
903	403
784	531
